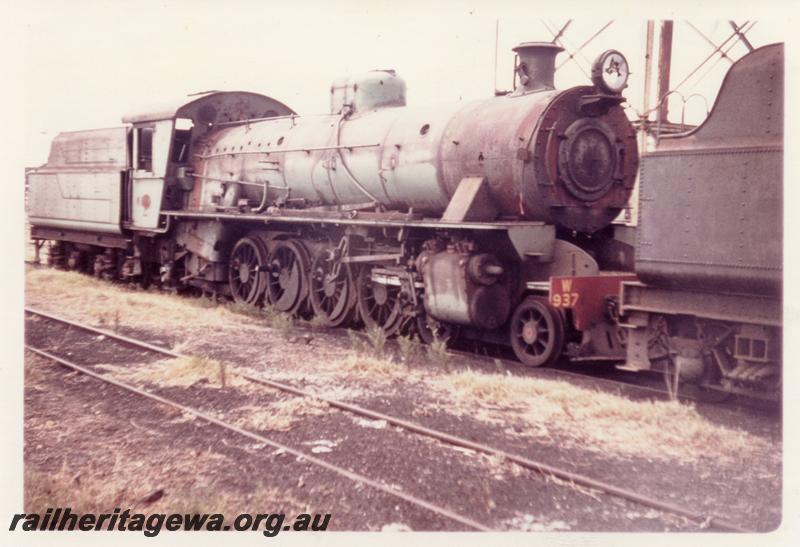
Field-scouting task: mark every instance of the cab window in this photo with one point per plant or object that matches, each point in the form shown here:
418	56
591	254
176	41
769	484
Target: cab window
181	140
144	148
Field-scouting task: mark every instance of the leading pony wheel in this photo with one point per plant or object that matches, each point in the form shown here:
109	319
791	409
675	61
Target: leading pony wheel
537	332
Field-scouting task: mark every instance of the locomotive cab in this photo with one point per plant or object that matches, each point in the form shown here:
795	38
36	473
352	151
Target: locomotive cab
145	183
163	139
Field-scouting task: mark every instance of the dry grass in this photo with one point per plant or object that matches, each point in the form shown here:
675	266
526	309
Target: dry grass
100	493
43	491
34	373
180	372
106	481
240	308
542	408
408	347
209	500
328	382
267	316
437	353
279	415
365	366
317	323
283	323
109	305
664	430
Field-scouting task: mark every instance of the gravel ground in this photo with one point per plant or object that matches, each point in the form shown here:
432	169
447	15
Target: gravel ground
76	428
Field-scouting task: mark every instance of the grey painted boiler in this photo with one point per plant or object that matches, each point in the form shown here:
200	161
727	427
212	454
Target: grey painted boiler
564	157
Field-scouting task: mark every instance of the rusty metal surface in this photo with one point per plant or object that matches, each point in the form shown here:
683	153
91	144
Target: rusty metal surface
586	296
611	144
536	66
490	139
421	155
711	199
515	142
465	287
212	108
151	184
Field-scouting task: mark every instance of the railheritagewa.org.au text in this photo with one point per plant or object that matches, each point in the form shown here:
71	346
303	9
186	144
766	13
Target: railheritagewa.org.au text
269	524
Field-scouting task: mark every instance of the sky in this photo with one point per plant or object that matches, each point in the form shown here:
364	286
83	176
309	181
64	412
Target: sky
86	63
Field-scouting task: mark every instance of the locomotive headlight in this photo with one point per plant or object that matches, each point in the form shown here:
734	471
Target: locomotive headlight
610	72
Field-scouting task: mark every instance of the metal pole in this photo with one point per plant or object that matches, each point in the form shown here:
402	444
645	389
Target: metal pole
561	32
708	40
664	62
713	53
580	48
648	76
741	35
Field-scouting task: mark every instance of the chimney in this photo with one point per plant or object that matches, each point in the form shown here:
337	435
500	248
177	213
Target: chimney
536	66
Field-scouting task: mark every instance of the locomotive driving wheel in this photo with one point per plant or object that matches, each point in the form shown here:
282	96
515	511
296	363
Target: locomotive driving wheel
244	270
331	288
537	332
286	285
378	303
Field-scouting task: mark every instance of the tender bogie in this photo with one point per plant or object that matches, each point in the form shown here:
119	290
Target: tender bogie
730	356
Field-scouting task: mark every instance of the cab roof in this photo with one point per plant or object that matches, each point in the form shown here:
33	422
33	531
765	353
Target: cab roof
212	107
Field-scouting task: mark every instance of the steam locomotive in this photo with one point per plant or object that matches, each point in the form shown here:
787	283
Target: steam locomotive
491	219
395	217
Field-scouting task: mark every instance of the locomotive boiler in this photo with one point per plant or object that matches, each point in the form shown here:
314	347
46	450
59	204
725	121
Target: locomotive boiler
545	154
396	217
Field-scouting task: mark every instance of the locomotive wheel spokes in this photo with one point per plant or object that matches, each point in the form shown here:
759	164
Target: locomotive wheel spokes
244	270
378	304
286	285
331	289
537	332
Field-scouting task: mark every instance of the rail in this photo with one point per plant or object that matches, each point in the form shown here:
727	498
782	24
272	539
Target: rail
538	466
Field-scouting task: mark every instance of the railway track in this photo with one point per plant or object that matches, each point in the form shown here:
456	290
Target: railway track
632	385
627	388
702	519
